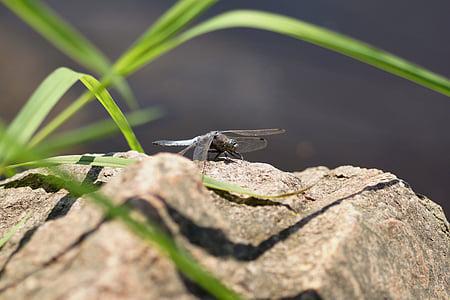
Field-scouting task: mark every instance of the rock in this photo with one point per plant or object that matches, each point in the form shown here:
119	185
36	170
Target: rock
356	233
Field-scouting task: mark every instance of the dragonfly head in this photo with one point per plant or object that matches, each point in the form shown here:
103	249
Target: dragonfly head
233	144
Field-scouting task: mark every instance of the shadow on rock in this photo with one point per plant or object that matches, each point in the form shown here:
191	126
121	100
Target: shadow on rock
215	241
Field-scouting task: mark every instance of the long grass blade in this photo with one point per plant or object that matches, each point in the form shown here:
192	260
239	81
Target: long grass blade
49	93
173	21
39	105
62	117
96	131
148	231
90	160
114	111
302	31
169	24
151	233
67	39
234	188
12	231
117	162
14	150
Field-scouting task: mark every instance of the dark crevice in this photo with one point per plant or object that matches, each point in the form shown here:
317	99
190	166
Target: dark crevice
50	183
251	201
406	184
342	176
381	185
23	241
420	196
305	295
82	237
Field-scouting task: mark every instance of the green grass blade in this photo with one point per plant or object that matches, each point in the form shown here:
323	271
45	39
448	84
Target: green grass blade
177	17
117	162
148	231
172	22
96	131
62	117
12	231
114	111
306	32
15	153
234	188
49	93
91	160
125	91
151	233
10	148
39	105
67	39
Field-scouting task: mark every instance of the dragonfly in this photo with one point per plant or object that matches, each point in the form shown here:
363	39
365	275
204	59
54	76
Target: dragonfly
223	142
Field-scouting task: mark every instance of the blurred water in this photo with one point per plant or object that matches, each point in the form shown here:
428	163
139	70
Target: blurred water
337	111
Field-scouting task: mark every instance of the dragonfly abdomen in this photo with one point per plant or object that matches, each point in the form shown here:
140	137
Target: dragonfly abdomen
175	143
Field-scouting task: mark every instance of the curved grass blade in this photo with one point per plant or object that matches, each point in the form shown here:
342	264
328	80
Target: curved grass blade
38	106
174	20
12	231
67	39
114	111
96	131
62	117
234	188
177	17
151	233
91	160
13	149
148	231
307	32
49	93
169	24
117	162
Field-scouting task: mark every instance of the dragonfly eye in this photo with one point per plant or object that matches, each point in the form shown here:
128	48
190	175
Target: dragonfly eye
233	143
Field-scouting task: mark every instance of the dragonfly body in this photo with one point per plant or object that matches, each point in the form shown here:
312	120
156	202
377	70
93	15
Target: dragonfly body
224	142
176	143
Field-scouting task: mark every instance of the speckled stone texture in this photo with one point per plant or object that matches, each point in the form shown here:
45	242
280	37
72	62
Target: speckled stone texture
356	234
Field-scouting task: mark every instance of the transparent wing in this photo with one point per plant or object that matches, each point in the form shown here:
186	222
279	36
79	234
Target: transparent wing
183	152
254	132
250	143
202	147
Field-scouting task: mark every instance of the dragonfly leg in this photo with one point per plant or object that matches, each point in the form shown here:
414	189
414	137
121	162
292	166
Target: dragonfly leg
217	155
216	152
237	155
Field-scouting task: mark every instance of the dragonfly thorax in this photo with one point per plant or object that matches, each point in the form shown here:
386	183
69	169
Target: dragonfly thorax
222	143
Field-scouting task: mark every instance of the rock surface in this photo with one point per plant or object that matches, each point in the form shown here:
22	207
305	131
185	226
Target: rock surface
356	234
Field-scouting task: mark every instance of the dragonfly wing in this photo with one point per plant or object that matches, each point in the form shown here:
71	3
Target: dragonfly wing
183	152
254	132
202	147
250	143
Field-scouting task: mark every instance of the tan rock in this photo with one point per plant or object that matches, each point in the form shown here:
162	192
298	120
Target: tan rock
356	234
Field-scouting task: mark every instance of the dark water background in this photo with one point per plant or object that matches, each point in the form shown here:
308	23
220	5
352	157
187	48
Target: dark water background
337	111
